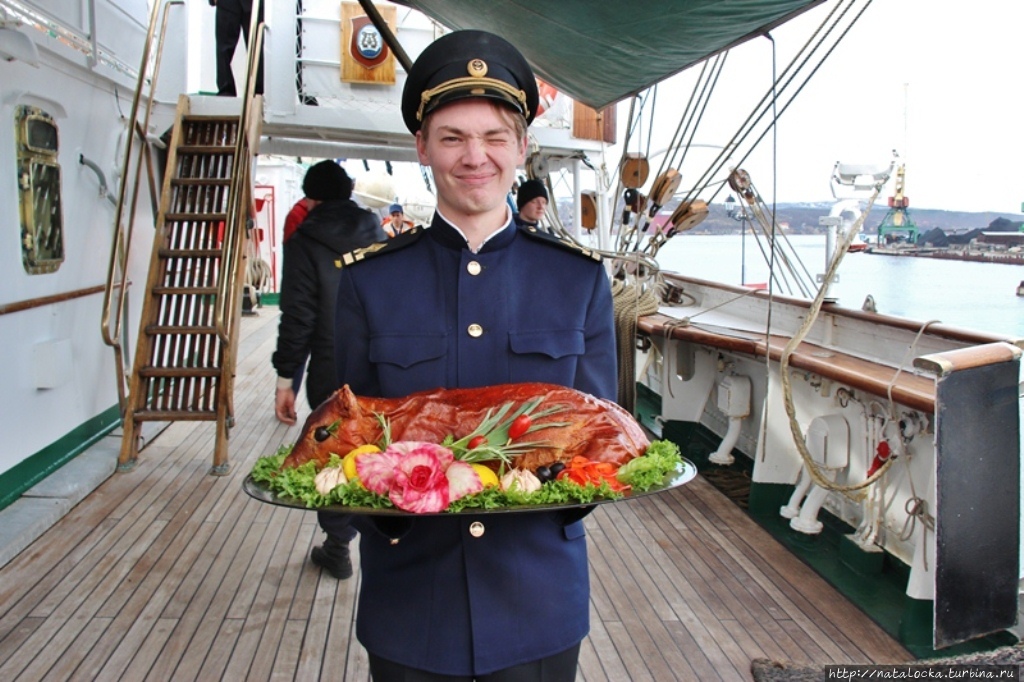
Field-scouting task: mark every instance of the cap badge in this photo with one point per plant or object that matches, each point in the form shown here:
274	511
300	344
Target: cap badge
477	68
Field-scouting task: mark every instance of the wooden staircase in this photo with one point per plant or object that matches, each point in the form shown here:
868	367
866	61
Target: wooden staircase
186	350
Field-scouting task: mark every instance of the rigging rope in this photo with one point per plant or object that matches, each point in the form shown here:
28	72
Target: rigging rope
853	491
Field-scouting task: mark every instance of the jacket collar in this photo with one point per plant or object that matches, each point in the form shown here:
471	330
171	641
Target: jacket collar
450	236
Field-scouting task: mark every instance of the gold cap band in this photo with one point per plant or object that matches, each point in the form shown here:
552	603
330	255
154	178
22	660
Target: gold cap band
470	82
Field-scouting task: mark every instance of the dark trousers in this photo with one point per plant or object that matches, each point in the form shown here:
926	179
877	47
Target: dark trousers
558	668
337	526
233	18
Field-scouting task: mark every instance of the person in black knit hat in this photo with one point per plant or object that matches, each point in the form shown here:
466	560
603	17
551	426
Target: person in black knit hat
532	201
334	226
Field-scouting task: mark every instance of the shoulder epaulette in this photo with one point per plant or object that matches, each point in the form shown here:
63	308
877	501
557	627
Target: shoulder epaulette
393	244
534	232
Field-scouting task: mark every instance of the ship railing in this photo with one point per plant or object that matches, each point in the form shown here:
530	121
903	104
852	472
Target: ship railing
117	272
240	192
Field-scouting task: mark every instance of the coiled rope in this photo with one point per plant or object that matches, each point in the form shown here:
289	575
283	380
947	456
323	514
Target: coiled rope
629	302
257	276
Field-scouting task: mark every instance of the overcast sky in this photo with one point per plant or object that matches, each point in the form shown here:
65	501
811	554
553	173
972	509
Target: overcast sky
939	81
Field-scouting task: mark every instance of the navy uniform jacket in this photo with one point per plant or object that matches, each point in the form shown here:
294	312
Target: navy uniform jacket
426	312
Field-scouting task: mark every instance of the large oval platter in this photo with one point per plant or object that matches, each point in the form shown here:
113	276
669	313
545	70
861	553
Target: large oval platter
685	472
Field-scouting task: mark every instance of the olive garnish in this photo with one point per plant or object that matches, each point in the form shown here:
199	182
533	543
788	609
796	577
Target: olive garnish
543	474
321	434
556	468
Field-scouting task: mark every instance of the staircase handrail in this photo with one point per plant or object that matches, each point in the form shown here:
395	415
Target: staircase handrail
123	237
240	177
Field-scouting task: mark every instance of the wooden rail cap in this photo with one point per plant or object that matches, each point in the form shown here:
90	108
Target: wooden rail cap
905	388
942	364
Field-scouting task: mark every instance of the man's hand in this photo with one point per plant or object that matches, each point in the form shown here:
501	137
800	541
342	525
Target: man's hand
284	406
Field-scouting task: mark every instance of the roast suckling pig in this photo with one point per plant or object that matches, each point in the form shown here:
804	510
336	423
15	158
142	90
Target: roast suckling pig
591	427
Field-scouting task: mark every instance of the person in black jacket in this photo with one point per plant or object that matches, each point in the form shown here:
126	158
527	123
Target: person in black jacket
334	226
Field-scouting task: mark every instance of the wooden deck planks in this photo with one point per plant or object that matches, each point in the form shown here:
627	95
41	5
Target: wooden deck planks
169	573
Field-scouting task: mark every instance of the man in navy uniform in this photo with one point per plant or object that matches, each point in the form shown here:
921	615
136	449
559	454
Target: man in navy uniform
473	301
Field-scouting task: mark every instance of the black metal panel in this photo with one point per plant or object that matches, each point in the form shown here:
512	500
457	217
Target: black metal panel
977	436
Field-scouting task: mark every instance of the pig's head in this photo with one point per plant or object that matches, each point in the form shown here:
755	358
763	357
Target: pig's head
338	425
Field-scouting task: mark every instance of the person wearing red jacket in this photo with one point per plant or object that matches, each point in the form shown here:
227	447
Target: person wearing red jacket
295	217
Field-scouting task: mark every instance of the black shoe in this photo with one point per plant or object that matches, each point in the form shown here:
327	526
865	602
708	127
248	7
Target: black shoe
333	557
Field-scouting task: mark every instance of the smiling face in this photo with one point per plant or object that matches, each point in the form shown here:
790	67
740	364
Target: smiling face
473	147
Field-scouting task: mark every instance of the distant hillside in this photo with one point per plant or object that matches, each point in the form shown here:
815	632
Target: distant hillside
803	219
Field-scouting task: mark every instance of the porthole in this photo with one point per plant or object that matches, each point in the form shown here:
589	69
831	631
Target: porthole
39	191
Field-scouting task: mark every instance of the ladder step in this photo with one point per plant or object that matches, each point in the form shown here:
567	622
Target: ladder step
205	149
190	253
209	118
175	415
207	217
157	329
185	291
201	181
180	372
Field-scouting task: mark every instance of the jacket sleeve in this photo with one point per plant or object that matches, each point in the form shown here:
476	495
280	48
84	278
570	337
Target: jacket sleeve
352	340
299	306
597	372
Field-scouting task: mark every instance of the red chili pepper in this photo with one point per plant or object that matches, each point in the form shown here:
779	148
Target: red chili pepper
519	426
475	442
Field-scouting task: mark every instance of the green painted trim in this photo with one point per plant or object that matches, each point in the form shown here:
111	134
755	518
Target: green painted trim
270	299
874	581
35	468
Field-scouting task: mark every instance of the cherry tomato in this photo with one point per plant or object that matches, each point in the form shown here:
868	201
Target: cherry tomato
519	426
476	441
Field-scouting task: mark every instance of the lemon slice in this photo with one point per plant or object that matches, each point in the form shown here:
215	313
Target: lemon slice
348	464
486	474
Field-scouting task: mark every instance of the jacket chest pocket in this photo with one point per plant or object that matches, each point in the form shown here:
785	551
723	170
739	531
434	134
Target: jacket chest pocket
550	356
409	360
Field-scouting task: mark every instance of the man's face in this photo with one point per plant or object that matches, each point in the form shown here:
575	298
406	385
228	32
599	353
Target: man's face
397	217
473	149
533	210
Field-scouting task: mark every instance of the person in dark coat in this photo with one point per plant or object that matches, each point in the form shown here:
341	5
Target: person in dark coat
334	226
473	300
531	202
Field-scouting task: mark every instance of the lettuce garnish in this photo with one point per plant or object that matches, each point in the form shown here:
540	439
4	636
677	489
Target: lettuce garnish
661	460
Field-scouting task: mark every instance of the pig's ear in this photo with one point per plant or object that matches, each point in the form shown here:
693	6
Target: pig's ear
347	402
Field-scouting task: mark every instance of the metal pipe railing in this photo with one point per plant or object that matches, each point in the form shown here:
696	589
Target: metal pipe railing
239	192
123	237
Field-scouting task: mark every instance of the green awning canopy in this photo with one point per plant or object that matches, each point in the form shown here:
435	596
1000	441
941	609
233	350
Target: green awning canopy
600	52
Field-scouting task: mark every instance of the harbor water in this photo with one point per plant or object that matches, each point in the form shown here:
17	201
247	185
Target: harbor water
972	295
